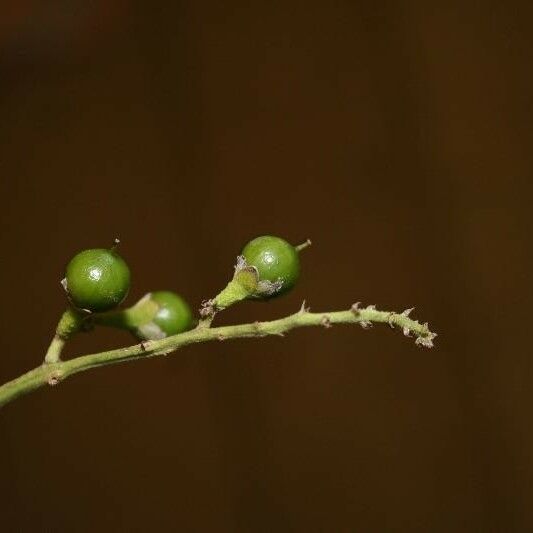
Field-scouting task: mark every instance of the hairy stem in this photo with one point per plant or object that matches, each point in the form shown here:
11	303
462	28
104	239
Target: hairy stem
53	372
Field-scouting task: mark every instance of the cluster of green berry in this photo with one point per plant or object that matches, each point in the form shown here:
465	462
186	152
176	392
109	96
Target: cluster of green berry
98	280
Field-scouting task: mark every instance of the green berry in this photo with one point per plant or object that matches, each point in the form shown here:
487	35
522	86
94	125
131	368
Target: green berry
277	264
97	280
173	315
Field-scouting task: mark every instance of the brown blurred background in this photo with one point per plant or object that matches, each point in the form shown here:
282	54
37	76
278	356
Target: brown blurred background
398	137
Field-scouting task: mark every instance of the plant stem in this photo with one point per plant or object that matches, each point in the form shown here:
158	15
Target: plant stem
130	318
69	323
53	372
53	354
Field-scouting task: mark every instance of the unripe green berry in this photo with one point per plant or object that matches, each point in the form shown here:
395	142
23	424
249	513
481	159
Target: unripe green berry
173	315
97	280
276	261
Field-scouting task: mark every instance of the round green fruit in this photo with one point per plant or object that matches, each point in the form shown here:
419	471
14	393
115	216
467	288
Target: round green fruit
276	261
97	280
173	315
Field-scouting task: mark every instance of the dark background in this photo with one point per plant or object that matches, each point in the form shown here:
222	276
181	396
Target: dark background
396	135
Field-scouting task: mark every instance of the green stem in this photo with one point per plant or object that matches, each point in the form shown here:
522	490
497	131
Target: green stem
53	354
234	292
55	372
69	323
241	287
131	318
